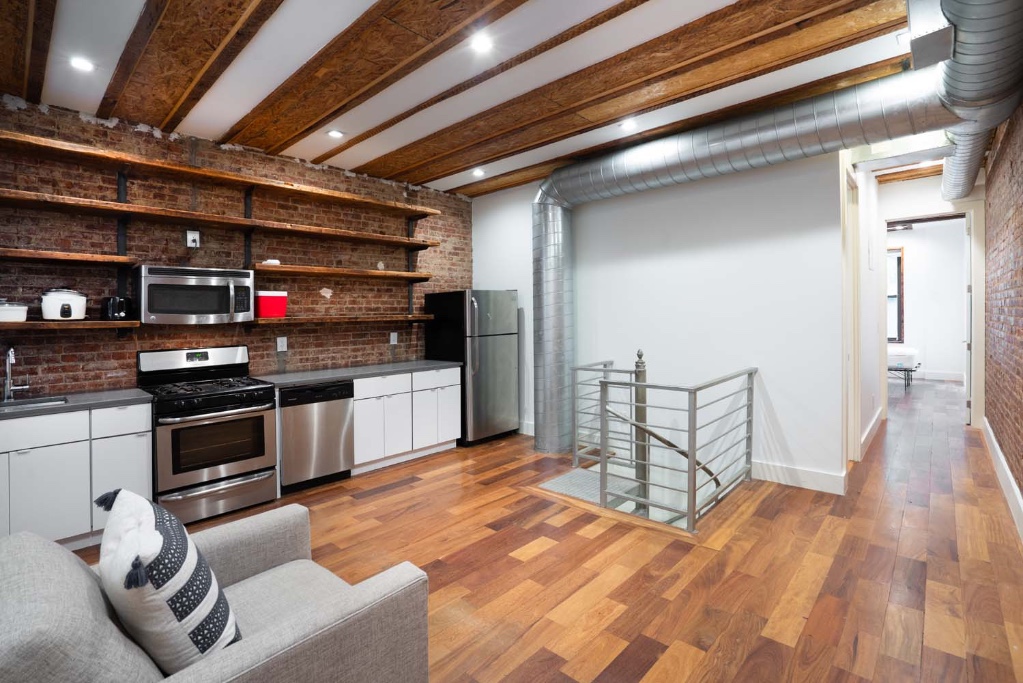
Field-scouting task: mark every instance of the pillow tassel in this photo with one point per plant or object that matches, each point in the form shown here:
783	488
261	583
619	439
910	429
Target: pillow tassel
106	501
137	576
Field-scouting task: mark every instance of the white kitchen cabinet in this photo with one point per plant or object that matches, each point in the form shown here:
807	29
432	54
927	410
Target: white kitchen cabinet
449	413
369	430
121	462
436	407
424	418
120	420
49	490
44	430
5	488
397	424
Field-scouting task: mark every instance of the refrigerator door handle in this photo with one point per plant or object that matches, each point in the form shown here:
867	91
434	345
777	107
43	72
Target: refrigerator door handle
475	355
475	316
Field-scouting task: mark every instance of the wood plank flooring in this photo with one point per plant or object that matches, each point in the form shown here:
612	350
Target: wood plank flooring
915	575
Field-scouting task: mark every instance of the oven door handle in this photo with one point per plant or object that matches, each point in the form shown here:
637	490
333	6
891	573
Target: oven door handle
210	416
207	491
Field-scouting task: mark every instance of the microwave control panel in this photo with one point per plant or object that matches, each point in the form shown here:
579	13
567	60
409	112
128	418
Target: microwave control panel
242	299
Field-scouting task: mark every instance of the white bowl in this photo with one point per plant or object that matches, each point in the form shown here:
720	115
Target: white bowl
12	312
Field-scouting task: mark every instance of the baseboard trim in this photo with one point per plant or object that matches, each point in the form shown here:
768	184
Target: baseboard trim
1009	487
402	457
815	480
942	376
527	427
870	433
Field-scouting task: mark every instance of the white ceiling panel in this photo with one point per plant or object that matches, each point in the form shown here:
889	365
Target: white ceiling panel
96	30
289	38
633	28
868	52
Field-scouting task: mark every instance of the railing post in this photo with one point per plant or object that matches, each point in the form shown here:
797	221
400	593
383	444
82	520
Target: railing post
603	443
575	417
640	437
691	465
749	425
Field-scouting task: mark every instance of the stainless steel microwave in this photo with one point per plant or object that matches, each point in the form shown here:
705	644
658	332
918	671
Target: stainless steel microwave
170	295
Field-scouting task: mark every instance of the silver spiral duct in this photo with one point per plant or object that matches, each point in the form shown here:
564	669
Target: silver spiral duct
978	89
981	83
553	316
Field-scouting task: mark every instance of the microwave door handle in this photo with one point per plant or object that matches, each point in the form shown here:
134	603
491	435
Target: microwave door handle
212	416
230	295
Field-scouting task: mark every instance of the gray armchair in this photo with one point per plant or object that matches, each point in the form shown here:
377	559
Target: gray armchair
299	622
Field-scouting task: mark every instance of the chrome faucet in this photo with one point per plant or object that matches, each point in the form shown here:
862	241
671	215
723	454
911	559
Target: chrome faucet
9	386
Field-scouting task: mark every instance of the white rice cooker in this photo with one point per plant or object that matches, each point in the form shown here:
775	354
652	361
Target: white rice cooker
63	304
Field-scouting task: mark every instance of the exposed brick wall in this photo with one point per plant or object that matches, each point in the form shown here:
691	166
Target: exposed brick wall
1004	315
79	360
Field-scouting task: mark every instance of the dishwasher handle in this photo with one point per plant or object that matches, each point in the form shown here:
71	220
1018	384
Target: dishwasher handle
316	393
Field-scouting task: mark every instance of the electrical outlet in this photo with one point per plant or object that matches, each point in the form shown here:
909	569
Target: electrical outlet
282	344
192	239
394	338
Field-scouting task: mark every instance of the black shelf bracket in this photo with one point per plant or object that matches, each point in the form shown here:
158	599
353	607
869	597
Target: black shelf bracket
248	233
410	229
122	237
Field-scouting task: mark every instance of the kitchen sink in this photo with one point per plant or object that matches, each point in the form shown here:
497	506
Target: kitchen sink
28	403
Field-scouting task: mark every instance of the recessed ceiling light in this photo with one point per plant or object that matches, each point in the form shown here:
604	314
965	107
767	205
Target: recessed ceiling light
479	173
82	64
628	125
336	134
481	43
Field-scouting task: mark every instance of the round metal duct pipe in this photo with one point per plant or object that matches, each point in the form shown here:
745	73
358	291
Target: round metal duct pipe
981	83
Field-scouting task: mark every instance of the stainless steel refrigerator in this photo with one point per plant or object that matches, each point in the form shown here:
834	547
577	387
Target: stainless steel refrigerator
480	329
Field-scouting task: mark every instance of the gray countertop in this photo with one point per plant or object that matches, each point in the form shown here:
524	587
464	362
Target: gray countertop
291	379
85	401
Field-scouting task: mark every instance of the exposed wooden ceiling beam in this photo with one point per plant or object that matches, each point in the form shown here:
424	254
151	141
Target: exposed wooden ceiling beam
147	22
741	41
390	41
563	37
25	28
910	174
540	171
39	50
176	52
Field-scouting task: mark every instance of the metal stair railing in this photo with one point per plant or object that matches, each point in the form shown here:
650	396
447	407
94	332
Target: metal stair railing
638	458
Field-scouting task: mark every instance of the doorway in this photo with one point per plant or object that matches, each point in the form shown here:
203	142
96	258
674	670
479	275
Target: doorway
928	304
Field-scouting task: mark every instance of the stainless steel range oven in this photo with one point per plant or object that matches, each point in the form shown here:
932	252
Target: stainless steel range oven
215	431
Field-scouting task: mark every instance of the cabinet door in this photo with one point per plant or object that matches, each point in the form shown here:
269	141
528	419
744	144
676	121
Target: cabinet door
5	505
121	462
122	420
50	490
369	430
449	413
424	418
397	424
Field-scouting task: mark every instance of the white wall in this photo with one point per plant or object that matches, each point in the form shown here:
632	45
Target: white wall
872	321
934	270
502	257
722	274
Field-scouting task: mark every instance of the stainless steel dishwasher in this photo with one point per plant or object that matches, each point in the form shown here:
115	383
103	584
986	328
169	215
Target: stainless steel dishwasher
317	433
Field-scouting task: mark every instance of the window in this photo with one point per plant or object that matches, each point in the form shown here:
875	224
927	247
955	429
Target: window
896	289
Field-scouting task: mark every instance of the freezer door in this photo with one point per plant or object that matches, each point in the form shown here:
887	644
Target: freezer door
491	386
492	312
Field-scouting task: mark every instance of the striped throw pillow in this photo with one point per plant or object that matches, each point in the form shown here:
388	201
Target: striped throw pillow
160	585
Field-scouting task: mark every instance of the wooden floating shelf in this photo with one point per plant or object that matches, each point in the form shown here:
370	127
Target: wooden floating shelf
76	152
341	272
52	202
69	325
342	319
34	255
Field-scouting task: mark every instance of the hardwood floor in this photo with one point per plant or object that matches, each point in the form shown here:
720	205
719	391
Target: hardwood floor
915	575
